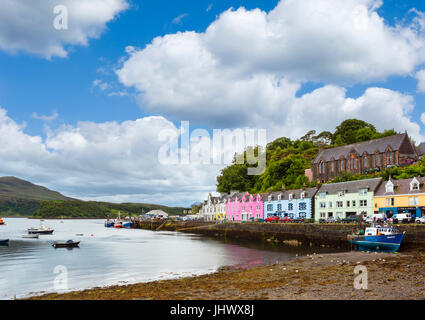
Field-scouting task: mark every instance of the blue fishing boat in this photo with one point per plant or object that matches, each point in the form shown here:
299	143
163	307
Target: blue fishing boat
4	242
109	223
378	238
126	224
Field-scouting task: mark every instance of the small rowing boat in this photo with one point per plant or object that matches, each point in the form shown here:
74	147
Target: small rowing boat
66	244
30	236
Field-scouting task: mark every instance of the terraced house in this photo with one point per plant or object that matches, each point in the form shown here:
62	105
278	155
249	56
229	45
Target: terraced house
375	155
214	208
244	207
400	196
290	203
340	200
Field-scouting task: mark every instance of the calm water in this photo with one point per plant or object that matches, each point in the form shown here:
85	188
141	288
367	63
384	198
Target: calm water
111	256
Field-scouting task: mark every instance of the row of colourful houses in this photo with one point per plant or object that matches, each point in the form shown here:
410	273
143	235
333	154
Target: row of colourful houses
339	200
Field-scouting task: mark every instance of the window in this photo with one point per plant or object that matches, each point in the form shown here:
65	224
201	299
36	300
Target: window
321	167
302	206
342	164
322	194
365	162
332	166
390	201
354	203
258	207
270	198
243	208
279	207
279	197
414	185
416	201
269	207
389	159
348	204
330	204
363	203
302	215
290	207
341	193
339	204
389	187
410	201
291	196
322	204
376	160
302	196
363	191
323	215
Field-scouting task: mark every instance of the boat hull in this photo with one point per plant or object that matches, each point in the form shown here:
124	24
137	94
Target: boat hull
40	231
385	243
66	244
4	242
109	224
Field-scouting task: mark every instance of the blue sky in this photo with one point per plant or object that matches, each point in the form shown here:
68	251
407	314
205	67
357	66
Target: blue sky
240	77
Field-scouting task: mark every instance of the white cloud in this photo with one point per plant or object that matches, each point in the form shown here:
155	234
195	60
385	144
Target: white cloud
104	161
28	25
423	118
52	117
179	18
420	76
248	66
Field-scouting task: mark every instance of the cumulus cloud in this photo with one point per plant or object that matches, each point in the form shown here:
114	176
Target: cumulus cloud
28	25
247	68
104	161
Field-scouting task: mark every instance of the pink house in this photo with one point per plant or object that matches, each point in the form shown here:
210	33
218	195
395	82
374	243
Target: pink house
244	207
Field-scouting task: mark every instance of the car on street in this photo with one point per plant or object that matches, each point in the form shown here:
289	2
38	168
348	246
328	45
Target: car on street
420	220
272	219
352	219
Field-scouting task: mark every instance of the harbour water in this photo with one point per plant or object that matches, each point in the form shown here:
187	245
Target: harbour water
108	256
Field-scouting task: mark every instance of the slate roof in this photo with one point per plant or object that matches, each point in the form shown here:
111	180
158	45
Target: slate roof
421	149
309	193
370	147
350	186
401	187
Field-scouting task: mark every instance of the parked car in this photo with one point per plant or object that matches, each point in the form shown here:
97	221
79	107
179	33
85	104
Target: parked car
420	220
298	220
352	219
272	219
286	219
330	220
402	218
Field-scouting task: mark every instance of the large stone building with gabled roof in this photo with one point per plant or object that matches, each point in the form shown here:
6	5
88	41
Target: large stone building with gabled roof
377	154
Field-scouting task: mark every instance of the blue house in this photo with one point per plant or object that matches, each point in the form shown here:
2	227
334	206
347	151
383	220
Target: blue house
290	203
273	204
299	203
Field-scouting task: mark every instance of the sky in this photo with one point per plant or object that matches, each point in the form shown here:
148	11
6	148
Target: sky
85	102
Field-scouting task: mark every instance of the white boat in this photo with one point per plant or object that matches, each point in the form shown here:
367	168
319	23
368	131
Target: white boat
41	230
30	236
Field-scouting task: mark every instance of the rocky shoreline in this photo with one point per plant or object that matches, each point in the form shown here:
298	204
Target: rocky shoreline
318	276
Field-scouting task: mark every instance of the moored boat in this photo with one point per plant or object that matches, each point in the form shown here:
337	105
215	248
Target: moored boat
30	236
126	224
40	230
2	222
378	238
118	224
109	223
66	244
4	242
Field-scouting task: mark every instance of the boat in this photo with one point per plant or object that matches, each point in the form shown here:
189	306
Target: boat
118	224
109	223
378	238
2	222
41	230
4	242
30	236
126	224
66	244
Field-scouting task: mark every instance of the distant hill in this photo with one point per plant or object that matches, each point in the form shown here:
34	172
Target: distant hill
22	198
12	187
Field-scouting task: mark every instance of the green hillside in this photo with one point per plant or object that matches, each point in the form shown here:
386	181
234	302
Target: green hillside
287	160
22	198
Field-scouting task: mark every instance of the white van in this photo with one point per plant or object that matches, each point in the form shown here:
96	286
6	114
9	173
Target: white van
402	217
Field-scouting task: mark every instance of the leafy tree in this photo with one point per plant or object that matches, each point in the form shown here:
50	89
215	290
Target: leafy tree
348	130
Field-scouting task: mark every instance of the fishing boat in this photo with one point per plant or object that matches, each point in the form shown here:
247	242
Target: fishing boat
40	230
118	224
2	222
126	224
109	223
66	244
378	238
4	242
30	236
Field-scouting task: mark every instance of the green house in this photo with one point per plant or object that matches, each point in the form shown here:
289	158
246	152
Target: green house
343	199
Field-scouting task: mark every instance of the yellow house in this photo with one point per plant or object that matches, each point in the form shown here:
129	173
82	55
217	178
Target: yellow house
400	196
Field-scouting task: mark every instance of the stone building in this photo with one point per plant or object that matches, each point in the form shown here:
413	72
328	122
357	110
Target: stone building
358	158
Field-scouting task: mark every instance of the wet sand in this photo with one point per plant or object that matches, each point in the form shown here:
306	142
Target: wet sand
318	276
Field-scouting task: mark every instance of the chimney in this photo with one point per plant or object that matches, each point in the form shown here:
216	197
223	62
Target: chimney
283	187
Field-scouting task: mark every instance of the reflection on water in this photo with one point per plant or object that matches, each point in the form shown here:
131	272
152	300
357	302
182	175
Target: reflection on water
112	256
